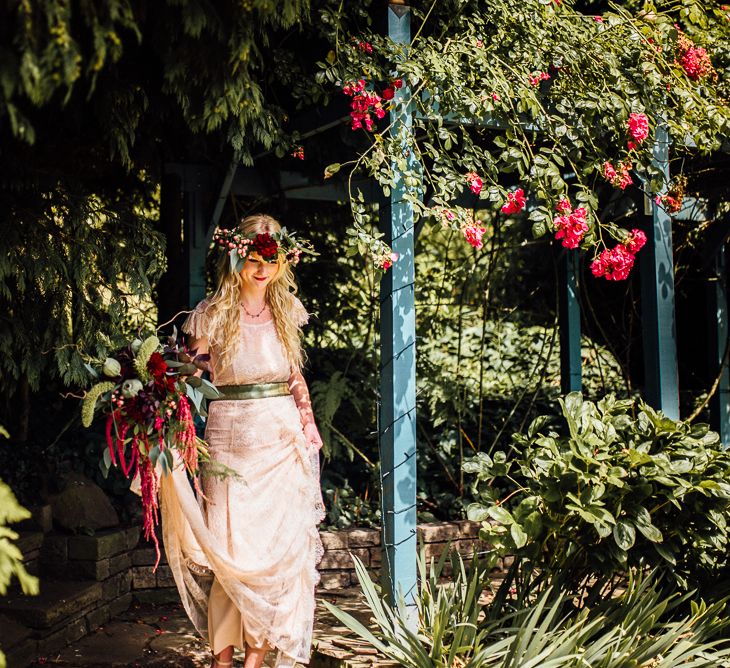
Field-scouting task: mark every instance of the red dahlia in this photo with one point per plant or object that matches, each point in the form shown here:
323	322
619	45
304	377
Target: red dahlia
157	365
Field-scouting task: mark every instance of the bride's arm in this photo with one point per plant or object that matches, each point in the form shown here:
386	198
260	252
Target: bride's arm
300	392
201	347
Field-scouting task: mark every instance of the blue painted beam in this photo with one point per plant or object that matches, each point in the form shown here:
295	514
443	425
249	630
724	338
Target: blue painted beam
569	322
397	423
659	333
719	333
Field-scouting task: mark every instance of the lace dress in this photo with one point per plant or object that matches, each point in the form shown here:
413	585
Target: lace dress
257	531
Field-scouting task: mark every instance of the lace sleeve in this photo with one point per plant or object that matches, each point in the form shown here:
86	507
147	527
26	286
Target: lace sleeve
196	323
301	317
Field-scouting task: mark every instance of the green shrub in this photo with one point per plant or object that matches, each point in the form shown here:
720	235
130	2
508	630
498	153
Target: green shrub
608	486
453	625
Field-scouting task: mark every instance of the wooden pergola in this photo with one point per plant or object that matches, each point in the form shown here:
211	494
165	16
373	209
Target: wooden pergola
193	197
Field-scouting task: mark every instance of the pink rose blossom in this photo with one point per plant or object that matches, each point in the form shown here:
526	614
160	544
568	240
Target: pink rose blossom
613	264
636	241
621	178
475	182
571	227
563	205
609	172
515	202
389	259
638	127
473	234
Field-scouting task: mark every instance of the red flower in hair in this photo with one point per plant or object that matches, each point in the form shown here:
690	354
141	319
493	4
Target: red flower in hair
265	245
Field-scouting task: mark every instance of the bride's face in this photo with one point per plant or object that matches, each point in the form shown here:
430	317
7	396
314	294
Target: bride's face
256	273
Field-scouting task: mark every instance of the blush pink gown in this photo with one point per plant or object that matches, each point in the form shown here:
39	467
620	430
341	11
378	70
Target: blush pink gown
257	532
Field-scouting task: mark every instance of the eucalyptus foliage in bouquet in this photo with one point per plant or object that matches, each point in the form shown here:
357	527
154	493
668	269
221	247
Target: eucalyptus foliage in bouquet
149	397
604	487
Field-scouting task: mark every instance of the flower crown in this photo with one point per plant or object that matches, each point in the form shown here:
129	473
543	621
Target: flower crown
270	246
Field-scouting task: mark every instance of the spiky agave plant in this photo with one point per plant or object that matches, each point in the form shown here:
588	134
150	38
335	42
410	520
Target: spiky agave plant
455	627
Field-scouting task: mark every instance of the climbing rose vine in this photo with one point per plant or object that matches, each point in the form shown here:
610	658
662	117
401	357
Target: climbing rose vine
567	106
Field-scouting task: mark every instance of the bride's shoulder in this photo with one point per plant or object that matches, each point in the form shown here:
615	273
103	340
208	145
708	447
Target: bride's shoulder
299	311
197	321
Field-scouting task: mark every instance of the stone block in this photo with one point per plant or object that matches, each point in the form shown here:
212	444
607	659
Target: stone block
333	540
436	549
164	577
133	535
83	505
68	633
470	546
31	556
143	577
119	563
89	569
125	582
334	580
156	596
54	570
469	529
120	605
58	602
438	532
145	556
98	617
116	585
99	546
376	556
341	559
54	549
29	542
363	537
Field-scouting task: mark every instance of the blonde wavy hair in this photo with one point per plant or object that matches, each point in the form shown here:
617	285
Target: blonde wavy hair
223	307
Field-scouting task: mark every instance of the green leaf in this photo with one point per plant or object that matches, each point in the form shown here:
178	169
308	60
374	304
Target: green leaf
665	552
518	535
477	512
500	514
331	170
624	534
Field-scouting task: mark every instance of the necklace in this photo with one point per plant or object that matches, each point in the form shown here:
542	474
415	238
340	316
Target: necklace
253	315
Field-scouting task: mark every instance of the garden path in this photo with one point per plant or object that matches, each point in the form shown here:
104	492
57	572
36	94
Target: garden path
161	636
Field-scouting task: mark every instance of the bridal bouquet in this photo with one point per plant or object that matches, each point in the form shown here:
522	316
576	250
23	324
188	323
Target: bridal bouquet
149	394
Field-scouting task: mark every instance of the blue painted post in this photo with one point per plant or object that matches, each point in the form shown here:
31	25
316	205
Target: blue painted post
719	332
657	299
397	429
569	322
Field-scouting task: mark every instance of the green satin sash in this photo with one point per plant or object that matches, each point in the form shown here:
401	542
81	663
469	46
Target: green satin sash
252	391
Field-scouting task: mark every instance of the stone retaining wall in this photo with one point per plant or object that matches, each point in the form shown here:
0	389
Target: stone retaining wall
337	569
85	581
